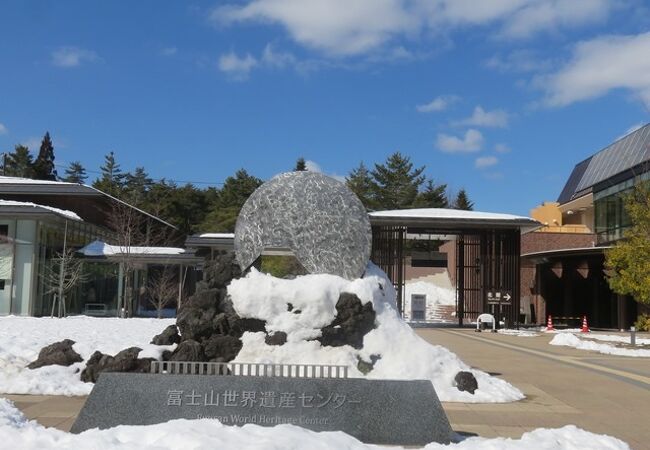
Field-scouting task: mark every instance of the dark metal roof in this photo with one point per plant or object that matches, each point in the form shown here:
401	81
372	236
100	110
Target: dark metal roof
90	203
624	154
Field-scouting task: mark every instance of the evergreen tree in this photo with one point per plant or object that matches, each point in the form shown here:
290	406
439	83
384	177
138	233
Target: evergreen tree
19	163
44	164
136	186
397	182
361	183
111	180
628	260
432	196
75	173
301	165
229	202
463	202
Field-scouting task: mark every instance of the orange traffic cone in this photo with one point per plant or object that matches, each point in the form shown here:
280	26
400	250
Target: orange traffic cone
549	324
585	327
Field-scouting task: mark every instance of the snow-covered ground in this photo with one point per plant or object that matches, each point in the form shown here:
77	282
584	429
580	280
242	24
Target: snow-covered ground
404	355
18	433
21	338
435	296
572	340
621	338
519	333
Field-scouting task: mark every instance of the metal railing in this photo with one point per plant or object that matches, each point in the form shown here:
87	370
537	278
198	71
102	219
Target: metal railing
249	369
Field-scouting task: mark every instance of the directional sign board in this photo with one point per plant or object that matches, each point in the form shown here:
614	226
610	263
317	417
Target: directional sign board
499	297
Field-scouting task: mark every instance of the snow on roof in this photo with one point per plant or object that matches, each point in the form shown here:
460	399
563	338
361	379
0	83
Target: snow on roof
62	212
446	213
217	235
99	248
19	180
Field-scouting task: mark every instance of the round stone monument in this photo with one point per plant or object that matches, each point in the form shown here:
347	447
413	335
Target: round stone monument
314	216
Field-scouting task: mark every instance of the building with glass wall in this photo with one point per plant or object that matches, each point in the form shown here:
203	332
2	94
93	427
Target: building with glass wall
41	221
564	260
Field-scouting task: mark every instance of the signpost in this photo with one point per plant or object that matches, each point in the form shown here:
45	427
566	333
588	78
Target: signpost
499	298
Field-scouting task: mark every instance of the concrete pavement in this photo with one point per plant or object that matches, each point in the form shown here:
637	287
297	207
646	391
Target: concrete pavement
600	393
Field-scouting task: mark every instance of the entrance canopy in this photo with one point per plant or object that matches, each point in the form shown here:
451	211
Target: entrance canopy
445	219
486	256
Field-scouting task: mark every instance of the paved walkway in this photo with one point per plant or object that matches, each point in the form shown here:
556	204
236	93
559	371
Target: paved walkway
600	393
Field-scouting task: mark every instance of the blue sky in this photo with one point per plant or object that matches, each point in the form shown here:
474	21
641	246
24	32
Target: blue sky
500	97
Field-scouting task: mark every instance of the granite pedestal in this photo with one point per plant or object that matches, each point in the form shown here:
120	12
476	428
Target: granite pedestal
373	411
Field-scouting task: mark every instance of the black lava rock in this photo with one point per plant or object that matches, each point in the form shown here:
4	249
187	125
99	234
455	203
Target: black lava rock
465	381
59	353
188	350
352	322
169	336
125	361
222	348
365	367
277	338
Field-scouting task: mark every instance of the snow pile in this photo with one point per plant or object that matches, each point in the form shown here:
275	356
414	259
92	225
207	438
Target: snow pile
622	338
435	296
404	355
571	340
17	432
519	333
21	338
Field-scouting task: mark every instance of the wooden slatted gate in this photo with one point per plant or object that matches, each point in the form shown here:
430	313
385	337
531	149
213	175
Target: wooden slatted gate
486	261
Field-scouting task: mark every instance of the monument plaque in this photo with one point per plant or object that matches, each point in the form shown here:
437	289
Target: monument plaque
373	411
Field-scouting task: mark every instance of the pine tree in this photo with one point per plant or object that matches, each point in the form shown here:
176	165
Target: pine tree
75	173
361	183
433	196
136	186
44	164
301	165
229	202
19	163
463	202
397	182
112	178
628	260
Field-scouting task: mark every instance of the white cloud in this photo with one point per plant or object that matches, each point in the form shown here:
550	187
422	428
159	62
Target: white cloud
237	67
313	166
519	61
340	27
169	51
485	161
599	66
472	141
33	143
632	129
543	15
438	104
3	129
279	59
67	57
501	148
497	118
353	27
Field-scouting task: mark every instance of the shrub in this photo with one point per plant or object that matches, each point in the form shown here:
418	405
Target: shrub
642	322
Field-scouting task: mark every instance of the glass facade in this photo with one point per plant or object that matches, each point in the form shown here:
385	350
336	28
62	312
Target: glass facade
611	219
50	244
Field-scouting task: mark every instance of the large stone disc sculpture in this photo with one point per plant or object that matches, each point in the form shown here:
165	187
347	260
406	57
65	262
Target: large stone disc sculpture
317	217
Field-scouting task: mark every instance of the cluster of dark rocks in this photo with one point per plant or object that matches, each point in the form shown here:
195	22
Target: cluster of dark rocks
208	329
